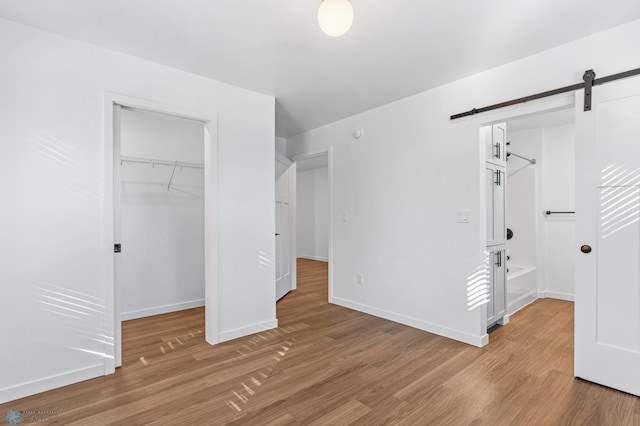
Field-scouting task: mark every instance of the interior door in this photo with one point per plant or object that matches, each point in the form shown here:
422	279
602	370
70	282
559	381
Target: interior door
285	188
607	287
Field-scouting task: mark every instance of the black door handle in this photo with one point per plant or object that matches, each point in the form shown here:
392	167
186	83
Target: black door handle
585	249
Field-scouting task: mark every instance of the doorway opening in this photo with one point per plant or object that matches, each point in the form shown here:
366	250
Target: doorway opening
161	217
314	224
162	175
531	253
540	208
312	202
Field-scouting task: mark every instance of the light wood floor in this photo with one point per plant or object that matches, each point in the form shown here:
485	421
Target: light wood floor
327	365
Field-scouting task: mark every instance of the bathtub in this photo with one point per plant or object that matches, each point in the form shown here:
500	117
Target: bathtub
522	287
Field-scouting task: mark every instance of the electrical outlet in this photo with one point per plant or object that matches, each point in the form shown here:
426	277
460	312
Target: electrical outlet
360	278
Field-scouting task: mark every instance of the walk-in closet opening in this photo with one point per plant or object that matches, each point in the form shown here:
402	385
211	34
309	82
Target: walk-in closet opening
530	211
159	215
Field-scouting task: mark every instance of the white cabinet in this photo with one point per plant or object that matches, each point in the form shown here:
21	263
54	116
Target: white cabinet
497	306
494	139
495	190
495	142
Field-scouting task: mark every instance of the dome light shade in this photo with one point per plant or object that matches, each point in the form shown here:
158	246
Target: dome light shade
335	17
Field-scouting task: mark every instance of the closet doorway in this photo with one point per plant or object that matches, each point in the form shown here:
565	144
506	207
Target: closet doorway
161	267
163	216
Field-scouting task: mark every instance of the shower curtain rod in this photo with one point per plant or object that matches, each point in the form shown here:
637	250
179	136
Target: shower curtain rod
589	78
532	161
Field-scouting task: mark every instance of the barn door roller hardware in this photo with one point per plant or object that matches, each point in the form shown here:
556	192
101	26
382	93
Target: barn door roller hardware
589	78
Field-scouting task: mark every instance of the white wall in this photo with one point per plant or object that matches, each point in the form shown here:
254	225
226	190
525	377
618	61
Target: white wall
281	145
402	183
558	194
545	242
522	196
523	214
312	203
161	268
55	248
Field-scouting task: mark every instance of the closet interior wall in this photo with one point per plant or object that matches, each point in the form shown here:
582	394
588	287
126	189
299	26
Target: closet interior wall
161	266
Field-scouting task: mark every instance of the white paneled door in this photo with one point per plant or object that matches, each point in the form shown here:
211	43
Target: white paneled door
607	287
285	199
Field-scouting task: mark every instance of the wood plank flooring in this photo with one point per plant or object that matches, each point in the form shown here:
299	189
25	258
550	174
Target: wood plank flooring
327	365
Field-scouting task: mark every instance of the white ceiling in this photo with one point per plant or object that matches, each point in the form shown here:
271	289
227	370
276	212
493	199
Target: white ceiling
394	49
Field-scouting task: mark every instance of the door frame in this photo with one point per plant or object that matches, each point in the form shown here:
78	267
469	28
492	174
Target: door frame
329	153
541	106
112	312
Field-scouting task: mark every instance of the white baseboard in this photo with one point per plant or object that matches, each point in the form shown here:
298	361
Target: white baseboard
556	295
158	310
522	301
47	383
504	320
246	331
321	259
414	322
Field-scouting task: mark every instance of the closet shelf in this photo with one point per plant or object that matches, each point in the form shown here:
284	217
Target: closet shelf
155	161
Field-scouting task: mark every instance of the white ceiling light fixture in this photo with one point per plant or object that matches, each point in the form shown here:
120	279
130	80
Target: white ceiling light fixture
335	17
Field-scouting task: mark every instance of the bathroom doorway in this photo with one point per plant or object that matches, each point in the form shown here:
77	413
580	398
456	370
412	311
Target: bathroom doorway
540	206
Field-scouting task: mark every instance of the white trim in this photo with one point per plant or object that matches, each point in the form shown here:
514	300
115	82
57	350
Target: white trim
544	105
504	320
52	382
318	258
557	295
283	159
329	153
450	333
159	310
312	154
113	316
522	301
248	330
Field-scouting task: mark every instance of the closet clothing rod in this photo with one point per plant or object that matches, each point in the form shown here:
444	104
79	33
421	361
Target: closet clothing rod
531	160
154	161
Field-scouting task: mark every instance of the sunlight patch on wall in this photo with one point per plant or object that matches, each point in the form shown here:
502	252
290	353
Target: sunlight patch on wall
619	199
264	260
71	169
478	281
80	316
